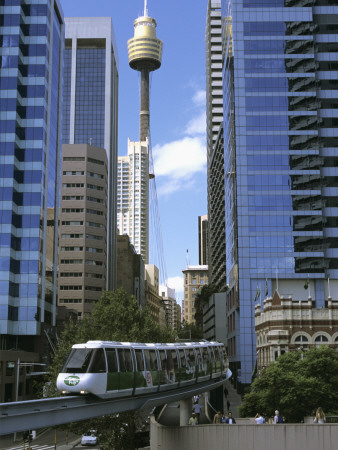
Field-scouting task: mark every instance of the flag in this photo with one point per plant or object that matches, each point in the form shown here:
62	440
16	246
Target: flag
327	276
258	293
266	287
307	281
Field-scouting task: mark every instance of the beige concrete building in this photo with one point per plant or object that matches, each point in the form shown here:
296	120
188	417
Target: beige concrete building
285	325
194	278
82	227
153	299
172	312
130	270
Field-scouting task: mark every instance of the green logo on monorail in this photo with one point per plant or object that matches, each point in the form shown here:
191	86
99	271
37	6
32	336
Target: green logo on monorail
72	381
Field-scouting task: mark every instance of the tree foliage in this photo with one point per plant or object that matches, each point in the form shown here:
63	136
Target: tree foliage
296	384
190	331
116	317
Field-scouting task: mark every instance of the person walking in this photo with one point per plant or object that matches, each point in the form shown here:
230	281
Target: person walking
259	419
193	420
230	420
218	417
197	409
277	418
320	416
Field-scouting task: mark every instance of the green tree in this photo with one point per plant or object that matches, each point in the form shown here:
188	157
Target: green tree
116	317
296	384
190	331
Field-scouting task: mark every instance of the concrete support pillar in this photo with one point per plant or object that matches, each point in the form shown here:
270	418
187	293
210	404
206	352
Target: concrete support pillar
185	411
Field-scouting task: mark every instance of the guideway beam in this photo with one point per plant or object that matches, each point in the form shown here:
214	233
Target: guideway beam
21	416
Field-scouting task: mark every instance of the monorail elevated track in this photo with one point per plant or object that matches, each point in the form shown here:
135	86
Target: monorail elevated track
34	414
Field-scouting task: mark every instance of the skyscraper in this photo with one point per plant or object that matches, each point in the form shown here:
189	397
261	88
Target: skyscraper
90	96
215	147
82	227
31	36
280	160
133	196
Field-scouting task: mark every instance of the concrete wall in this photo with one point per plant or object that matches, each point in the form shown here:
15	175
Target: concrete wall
244	437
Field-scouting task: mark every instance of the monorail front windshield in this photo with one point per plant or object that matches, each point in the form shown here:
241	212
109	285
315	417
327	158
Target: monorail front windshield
85	360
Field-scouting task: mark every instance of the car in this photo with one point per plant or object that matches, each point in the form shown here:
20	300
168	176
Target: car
89	438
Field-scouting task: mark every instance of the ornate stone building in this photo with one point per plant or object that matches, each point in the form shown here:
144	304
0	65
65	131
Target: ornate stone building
285	325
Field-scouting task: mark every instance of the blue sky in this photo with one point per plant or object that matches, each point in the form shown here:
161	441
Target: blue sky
177	114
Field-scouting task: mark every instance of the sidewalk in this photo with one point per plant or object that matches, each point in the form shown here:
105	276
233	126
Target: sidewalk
234	399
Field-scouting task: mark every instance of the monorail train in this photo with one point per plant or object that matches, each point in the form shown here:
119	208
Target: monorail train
118	369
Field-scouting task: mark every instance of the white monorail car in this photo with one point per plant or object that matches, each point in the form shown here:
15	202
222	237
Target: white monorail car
118	369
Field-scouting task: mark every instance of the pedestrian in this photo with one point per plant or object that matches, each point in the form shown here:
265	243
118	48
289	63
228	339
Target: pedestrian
277	418
259	419
320	416
228	405
218	417
226	393
230	420
193	419
224	419
197	409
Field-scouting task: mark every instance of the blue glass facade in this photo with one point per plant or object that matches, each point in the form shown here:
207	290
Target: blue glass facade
30	79
281	155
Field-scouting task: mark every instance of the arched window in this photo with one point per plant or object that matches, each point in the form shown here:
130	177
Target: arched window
336	343
301	338
302	342
320	340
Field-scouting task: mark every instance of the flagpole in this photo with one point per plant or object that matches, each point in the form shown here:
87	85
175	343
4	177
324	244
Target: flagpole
309	285
277	277
328	285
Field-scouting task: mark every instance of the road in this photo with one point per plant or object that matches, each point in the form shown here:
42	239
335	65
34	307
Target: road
45	440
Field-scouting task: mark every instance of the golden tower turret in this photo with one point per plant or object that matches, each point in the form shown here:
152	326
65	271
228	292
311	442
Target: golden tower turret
145	53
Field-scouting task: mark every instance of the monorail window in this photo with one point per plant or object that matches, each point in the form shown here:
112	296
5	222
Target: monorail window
112	360
172	359
190	357
221	353
213	359
151	360
139	360
163	359
126	364
77	361
98	361
182	358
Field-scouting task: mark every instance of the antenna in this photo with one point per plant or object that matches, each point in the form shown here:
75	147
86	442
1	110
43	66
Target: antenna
145	9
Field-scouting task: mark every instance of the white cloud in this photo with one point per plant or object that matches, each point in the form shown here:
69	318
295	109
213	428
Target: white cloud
196	125
177	284
199	98
177	163
180	158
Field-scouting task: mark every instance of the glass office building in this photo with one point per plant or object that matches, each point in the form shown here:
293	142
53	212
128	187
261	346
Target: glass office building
90	101
280	71
31	36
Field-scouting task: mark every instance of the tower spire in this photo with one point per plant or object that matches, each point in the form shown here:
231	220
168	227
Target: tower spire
144	53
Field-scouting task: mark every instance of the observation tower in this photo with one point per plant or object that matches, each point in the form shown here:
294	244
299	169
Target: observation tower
145	53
